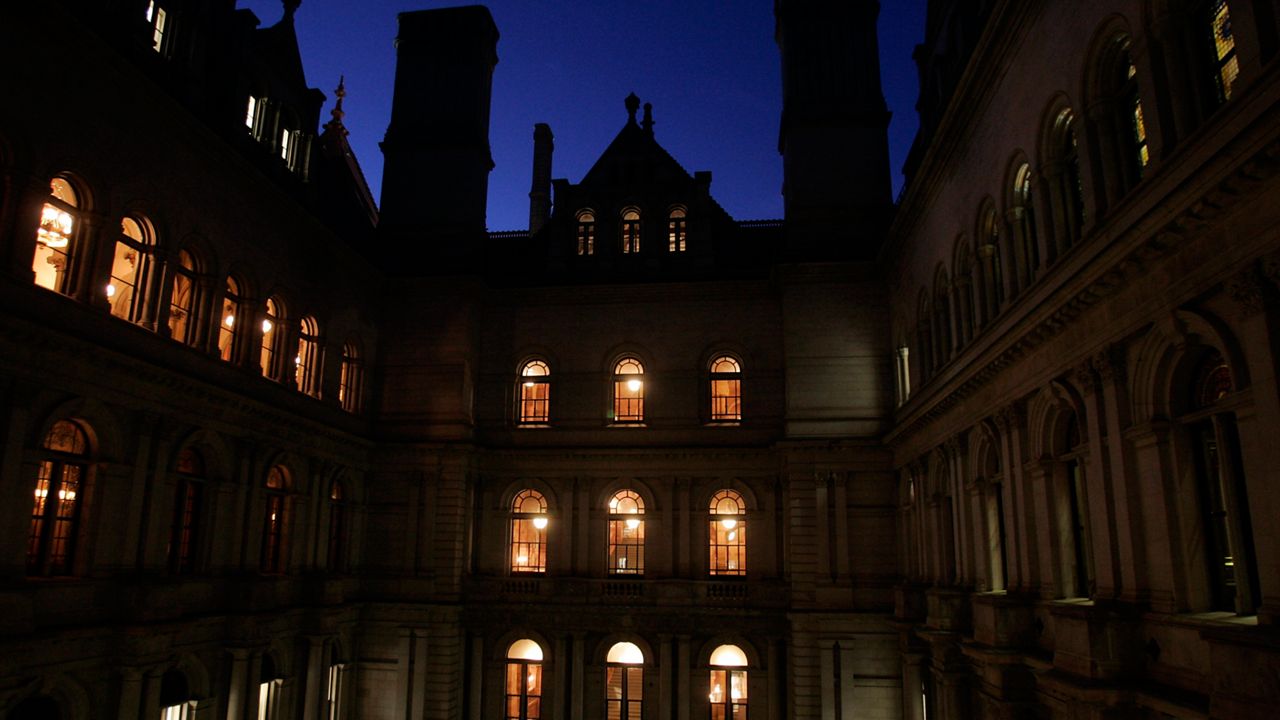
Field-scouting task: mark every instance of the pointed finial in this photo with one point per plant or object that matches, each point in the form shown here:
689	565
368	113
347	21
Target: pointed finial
337	111
633	104
290	7
647	123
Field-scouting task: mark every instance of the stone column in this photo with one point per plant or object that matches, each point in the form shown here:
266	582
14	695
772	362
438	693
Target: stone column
579	675
684	676
313	700
130	693
1110	367
238	686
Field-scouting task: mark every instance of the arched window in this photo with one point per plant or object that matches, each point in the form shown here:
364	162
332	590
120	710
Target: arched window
1025	210
586	233
528	532
942	317
728	685
229	325
188	494
175	696
630	231
306	364
1224	506
989	263
337	527
534	386
57	239
626	533
351	382
182	300
677	231
524	681
131	271
55	516
1076	543
993	492
1223	45
624	682
1122	130
269	682
728	534
1068	187
628	391
726	389
275	521
271	339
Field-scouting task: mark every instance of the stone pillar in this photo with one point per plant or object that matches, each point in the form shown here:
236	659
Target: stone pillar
666	688
827	684
313	700
475	682
130	693
238	686
1110	367
683	678
579	675
848	708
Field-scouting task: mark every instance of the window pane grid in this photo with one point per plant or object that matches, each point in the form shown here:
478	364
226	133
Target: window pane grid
1224	49
727	535
524	691
528	525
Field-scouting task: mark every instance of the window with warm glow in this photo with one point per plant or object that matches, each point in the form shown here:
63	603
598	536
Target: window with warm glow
271	338
286	148
351	379
631	231
337	526
1133	103
130	271
728	685
628	391
182	300
275	521
624	682
251	114
535	392
269	684
529	532
1223	42
586	233
626	533
229	325
728	534
524	681
55	515
56	238
175	696
677	232
1026	204
306	364
188	493
726	389
158	19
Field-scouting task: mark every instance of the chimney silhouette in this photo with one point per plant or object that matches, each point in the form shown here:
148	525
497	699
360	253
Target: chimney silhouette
540	192
435	178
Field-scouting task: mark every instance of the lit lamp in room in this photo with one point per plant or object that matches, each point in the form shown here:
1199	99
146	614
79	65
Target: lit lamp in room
728	523
634	385
230	320
540	522
633	523
266	326
55	227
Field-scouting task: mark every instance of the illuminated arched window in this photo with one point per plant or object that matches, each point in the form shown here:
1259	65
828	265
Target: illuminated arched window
1136	137
182	300
337	526
1223	44
188	494
529	532
1026	213
628	391
677	230
351	382
586	233
728	685
271	339
231	320
630	231
275	521
306	364
175	696
524	681
57	239
55	516
624	682
158	19
131	271
728	534
534	386
626	533
726	389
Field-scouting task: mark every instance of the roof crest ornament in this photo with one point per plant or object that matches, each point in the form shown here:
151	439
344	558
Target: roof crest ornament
633	104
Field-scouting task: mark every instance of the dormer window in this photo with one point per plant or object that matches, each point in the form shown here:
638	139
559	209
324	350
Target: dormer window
158	20
586	233
677	231
630	231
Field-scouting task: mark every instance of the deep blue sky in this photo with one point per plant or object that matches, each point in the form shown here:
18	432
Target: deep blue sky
710	68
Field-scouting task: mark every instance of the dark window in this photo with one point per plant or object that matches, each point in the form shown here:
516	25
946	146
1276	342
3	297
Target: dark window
275	521
188	494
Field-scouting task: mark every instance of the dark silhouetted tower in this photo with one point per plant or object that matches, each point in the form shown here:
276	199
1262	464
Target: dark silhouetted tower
540	192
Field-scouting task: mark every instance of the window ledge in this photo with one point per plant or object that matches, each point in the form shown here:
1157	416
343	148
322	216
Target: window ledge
532	426
626	425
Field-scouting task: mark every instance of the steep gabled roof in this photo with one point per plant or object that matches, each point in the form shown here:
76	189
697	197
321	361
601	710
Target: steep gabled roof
635	157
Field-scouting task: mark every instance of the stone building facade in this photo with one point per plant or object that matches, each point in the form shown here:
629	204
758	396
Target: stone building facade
999	450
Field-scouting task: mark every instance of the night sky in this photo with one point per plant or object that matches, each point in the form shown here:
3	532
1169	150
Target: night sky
710	68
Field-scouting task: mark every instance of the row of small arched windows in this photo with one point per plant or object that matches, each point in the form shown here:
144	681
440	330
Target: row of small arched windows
139	291
1046	209
64	475
724	381
629	231
726	538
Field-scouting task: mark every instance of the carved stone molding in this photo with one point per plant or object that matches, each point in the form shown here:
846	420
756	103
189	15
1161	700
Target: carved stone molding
1109	364
1247	290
